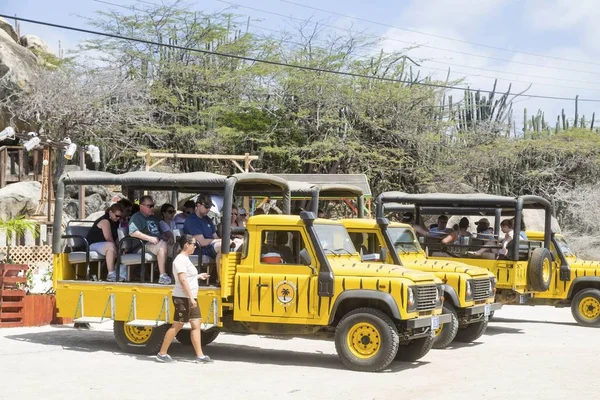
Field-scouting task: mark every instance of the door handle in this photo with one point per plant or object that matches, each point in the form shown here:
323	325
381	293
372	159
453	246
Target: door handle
262	285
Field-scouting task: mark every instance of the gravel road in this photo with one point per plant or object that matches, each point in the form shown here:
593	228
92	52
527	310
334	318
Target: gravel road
526	353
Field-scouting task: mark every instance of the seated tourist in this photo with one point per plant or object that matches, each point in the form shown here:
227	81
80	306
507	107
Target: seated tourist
492	253
202	228
441	229
462	231
127	212
102	238
144	225
187	210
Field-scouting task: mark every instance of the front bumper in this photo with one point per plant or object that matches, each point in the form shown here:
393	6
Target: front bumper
480	309
425	322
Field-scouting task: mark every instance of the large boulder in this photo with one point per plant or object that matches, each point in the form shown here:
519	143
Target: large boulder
8	29
17	66
94	203
21	198
35	44
72	191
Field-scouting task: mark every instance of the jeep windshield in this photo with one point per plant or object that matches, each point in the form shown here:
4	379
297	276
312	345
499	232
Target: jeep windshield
404	240
334	239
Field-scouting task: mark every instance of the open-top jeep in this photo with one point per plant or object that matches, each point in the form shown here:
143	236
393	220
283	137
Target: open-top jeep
293	275
534	270
469	291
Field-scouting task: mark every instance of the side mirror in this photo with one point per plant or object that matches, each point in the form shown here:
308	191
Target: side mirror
382	254
305	258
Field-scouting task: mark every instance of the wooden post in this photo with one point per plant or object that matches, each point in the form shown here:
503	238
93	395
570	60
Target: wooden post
82	187
247	162
3	159
21	164
148	160
36	161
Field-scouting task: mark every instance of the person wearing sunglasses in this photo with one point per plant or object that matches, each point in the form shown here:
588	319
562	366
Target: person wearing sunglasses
167	225
185	300
202	228
102	238
187	210
145	226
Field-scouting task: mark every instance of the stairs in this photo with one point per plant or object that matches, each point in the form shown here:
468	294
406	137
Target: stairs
11	296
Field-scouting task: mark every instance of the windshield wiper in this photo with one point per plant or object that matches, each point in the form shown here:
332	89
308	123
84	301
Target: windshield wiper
336	250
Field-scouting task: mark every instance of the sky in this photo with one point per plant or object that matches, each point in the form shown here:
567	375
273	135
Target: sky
551	44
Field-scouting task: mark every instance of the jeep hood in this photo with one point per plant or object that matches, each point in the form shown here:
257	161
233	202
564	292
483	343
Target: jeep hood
379	270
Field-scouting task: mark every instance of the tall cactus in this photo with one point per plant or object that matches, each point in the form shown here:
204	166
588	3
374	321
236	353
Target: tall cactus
525	120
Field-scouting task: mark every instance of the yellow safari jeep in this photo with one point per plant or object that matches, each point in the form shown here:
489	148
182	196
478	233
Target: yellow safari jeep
469	291
582	292
534	270
293	275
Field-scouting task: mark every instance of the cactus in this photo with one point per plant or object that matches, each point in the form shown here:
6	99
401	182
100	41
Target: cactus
525	120
564	120
583	121
593	119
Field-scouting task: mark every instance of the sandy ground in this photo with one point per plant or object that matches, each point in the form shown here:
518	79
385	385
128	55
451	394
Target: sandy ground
526	353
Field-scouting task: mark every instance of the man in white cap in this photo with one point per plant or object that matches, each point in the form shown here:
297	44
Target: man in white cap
242	216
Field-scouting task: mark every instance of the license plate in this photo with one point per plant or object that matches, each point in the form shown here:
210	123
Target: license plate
435	322
486	310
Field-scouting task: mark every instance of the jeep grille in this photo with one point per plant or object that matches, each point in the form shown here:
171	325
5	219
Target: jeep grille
481	289
426	295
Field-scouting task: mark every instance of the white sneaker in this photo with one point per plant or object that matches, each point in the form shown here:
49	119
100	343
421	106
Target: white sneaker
111	277
164	279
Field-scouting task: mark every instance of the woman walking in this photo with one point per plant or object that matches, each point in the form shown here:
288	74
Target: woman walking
185	294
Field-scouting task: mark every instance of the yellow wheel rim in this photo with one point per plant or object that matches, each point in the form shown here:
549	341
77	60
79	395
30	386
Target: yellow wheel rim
364	340
438	331
589	308
546	270
138	334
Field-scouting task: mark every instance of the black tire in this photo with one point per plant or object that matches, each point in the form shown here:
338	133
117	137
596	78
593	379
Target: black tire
445	335
385	338
415	349
539	270
585	308
206	337
471	332
149	347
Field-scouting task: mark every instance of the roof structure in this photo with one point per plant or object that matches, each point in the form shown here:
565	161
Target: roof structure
358	180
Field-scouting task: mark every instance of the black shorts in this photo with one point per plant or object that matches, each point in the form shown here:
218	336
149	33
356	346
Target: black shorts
183	310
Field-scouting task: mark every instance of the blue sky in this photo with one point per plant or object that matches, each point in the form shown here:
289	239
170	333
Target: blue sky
554	28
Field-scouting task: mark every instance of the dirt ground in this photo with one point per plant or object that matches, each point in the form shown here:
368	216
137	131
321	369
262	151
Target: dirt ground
526	353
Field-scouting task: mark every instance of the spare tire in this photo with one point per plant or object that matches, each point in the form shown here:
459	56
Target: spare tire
539	270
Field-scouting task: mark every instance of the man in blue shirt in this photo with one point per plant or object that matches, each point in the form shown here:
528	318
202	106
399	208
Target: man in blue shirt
199	225
441	230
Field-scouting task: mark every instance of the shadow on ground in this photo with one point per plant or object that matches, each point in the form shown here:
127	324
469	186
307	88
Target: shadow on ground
493	330
529	321
90	341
